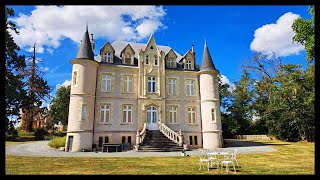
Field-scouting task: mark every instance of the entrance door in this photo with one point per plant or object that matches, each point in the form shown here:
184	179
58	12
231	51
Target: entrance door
152	118
70	140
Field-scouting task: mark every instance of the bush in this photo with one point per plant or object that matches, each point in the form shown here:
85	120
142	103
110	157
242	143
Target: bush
40	133
57	142
24	133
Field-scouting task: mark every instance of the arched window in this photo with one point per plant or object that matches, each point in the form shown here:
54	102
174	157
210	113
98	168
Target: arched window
147	59
155	60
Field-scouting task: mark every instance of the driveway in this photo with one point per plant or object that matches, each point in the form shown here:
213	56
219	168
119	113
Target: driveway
43	150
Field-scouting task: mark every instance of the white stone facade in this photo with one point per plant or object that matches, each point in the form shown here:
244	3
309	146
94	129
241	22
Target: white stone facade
130	84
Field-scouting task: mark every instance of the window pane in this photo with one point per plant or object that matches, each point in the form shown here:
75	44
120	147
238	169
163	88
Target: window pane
74	77
149	86
213	115
193	118
125	84
148	117
108	85
153	86
101	114
189	117
175	117
84	112
154	118
174	87
100	141
190	140
103	85
195	140
123	139
129	139
130	86
170	117
124	118
106	139
129	116
107	116
192	90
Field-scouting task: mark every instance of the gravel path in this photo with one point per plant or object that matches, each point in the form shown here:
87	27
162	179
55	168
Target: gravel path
42	149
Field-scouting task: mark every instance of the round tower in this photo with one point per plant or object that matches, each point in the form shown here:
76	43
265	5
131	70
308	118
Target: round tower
210	103
82	98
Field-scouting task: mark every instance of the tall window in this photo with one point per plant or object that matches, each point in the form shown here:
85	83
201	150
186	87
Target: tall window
190	140
100	141
106	139
152	84
75	78
106	83
188	64
105	113
190	87
172	86
84	112
151	114
147	59
107	57
127	114
127	59
173	114
195	140
171	63
191	115
213	114
155	60
128	83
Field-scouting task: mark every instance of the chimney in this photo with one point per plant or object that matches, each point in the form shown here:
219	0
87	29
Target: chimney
192	49
92	42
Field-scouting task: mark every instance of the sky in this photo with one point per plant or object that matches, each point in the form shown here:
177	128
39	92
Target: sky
232	33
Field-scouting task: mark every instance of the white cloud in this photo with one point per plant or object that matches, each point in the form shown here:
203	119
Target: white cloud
277	37
65	84
44	69
49	25
225	80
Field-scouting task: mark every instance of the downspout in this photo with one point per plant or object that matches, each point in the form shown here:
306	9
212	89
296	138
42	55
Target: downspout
94	107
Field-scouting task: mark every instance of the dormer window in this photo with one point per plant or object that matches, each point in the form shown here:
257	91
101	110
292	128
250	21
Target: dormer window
128	59
147	59
151	47
107	57
171	63
155	60
188	64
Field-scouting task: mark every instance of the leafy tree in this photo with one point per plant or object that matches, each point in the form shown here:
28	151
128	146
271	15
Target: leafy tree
14	63
304	30
59	106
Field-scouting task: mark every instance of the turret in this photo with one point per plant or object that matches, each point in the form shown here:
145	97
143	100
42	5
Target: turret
210	104
82	96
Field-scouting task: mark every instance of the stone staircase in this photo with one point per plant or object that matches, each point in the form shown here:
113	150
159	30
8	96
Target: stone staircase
155	141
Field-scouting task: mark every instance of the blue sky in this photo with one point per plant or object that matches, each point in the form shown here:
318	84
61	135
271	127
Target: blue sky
233	33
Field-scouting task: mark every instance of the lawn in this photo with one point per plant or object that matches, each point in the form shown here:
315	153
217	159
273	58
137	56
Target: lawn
290	158
20	140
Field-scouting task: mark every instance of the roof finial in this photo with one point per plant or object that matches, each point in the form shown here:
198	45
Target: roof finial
87	26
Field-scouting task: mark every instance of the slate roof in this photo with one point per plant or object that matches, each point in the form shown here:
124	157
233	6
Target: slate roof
120	45
85	50
207	63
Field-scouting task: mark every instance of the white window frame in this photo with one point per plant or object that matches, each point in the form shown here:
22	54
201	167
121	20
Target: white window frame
156	60
75	78
190	87
173	114
84	111
125	111
107	57
189	64
107	78
193	115
127	56
213	115
128	84
152	111
172	87
103	109
171	62
152	80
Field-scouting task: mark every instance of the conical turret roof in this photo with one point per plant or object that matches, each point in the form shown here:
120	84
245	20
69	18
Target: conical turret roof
85	50
207	63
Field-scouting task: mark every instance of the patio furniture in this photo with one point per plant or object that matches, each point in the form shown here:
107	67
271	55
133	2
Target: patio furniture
213	157
228	159
203	158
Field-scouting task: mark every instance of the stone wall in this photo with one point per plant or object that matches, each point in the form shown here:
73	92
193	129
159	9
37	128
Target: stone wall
252	137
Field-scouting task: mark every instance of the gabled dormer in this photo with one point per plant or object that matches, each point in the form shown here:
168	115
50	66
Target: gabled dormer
188	60
107	53
152	53
170	58
127	55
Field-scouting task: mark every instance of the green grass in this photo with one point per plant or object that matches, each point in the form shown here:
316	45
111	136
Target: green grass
290	158
57	142
20	140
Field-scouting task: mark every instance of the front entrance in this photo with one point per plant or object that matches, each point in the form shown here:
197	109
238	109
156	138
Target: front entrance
152	118
70	139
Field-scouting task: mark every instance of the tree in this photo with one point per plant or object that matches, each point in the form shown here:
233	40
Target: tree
14	85
37	88
304	30
59	106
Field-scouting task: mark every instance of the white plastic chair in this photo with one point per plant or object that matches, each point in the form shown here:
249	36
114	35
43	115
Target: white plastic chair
203	158
228	159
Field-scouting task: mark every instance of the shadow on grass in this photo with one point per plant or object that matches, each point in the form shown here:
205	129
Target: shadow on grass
20	139
248	143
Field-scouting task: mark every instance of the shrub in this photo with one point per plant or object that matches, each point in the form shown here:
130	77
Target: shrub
24	133
57	142
40	133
